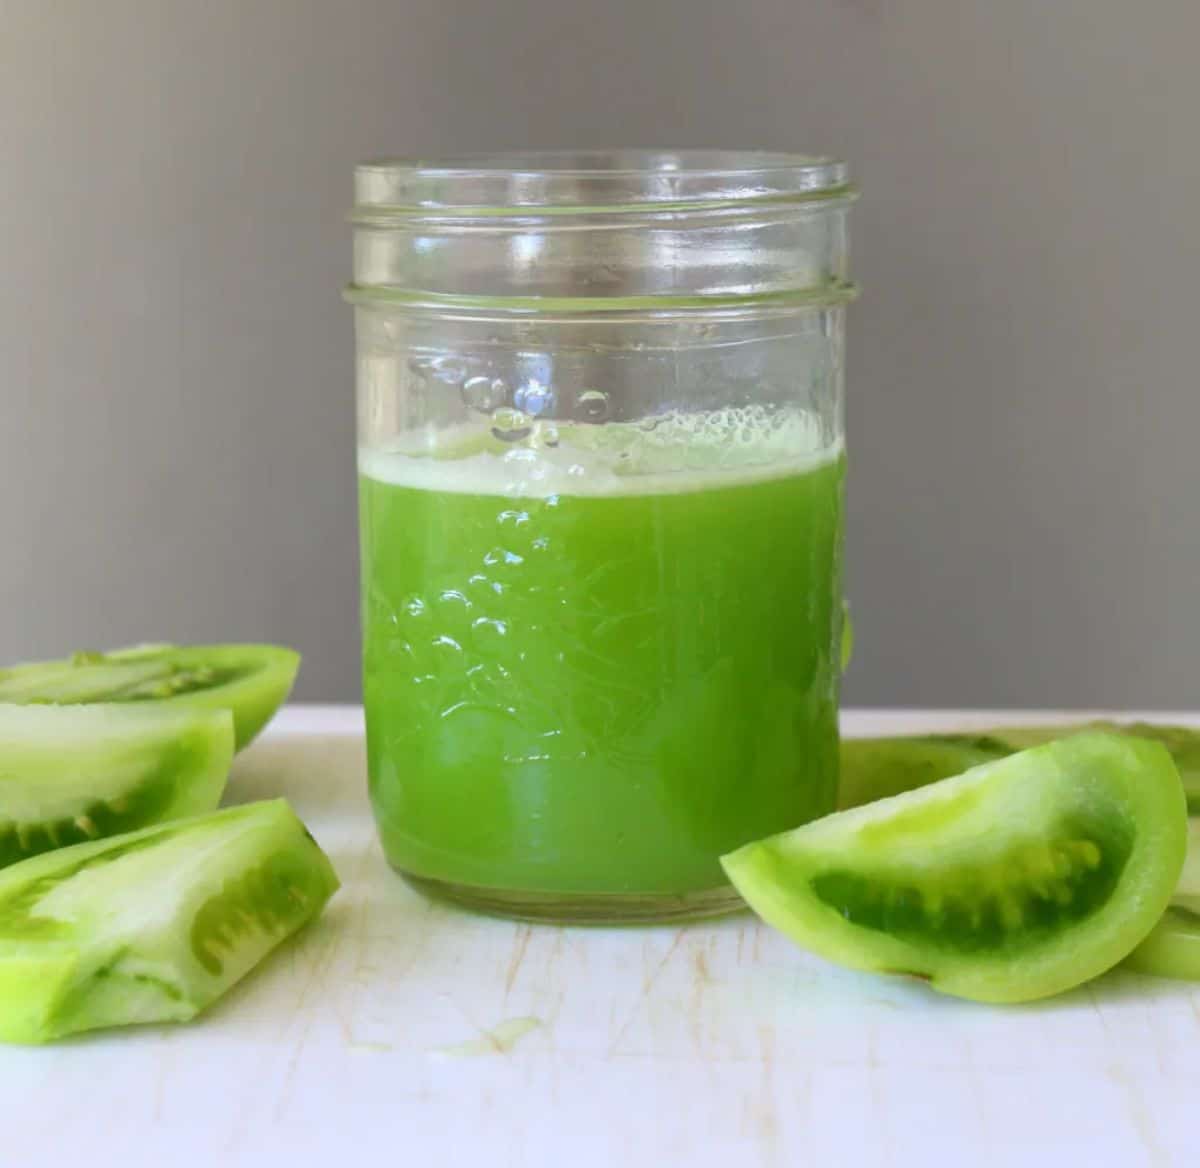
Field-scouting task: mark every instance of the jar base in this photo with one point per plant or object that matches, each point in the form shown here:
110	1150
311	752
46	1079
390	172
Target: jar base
582	908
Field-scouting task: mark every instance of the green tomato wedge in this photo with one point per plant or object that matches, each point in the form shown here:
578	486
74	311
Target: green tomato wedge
74	773
876	768
155	925
251	680
1173	947
1016	880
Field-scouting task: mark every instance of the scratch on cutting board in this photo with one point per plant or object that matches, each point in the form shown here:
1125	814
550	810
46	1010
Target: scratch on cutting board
345	1012
500	1039
758	1120
1134	1100
1136	1109
520	945
160	1077
322	943
1097	1009
650	978
648	981
696	1012
768	1127
362	939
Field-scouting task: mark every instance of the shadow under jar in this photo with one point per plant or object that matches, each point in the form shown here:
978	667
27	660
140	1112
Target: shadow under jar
600	478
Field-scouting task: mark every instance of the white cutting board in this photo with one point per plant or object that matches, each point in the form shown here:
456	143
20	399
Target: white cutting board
401	1032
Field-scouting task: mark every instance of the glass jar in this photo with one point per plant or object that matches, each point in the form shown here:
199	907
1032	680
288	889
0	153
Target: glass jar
600	474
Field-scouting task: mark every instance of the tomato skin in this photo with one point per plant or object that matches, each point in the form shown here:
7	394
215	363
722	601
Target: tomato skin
1016	880
1173	947
252	681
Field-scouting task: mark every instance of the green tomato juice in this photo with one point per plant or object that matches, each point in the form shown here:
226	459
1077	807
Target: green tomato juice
595	668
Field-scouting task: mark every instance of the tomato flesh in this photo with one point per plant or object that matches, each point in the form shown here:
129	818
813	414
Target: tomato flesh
74	773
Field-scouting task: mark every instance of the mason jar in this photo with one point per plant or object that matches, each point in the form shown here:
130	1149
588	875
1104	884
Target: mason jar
601	474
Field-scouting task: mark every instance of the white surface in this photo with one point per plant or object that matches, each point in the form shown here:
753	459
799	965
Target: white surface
366	1040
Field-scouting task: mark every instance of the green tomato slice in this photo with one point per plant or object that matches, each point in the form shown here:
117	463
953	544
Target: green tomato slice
75	773
1016	880
251	680
152	926
876	768
1173	947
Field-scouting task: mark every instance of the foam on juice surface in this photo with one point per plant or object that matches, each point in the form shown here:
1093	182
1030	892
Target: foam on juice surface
669	453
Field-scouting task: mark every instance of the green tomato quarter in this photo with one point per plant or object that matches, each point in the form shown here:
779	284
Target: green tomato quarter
155	925
1018	879
1173	947
877	768
252	681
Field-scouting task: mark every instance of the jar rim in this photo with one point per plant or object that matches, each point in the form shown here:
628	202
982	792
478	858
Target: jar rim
582	181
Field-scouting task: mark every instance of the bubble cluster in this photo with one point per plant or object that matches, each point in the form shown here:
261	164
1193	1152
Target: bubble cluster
519	455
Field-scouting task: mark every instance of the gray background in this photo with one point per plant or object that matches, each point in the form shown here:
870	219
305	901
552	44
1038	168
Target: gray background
176	448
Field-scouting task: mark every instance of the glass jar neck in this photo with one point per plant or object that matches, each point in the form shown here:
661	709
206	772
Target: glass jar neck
590	232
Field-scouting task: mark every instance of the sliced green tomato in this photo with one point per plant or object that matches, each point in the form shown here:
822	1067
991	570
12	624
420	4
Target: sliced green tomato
1189	879
878	768
154	925
1016	880
875	768
1173	947
251	680
75	773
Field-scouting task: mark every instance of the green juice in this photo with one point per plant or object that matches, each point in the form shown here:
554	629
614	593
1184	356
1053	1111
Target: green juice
596	667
